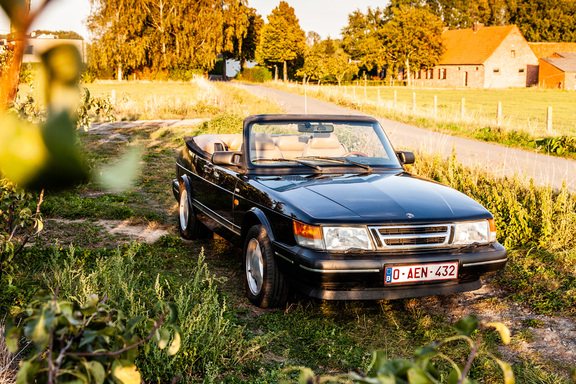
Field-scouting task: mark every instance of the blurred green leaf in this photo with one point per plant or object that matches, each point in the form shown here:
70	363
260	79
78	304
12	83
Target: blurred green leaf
503	330
467	325
507	371
164	338
22	149
123	173
125	372
96	371
62	68
175	345
12	339
416	375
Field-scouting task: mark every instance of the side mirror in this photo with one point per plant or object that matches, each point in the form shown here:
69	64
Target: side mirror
227	158
406	157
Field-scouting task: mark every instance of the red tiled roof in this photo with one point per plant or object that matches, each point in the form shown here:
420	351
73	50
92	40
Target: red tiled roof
464	46
548	49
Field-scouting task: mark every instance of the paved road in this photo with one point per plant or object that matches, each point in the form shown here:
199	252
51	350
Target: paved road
500	160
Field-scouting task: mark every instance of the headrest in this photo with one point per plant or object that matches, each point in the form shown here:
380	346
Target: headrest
324	141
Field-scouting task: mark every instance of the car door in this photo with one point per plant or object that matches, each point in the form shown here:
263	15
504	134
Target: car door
215	192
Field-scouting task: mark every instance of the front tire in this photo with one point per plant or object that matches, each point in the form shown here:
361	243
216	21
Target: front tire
266	287
189	226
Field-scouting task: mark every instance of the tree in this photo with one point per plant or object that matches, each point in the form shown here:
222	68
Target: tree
198	33
235	29
545	20
282	40
252	38
413	39
327	58
362	39
119	30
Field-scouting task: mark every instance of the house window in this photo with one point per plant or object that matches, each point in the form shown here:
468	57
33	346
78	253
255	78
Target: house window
430	74
442	73
513	54
521	70
477	68
29	50
418	75
496	71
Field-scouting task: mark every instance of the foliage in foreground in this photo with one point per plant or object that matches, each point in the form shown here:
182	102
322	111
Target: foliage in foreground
421	369
210	341
19	216
89	343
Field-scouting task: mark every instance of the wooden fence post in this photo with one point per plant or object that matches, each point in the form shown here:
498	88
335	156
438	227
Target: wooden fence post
113	97
435	106
549	120
499	115
463	108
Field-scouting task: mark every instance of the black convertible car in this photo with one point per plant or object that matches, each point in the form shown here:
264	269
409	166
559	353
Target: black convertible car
322	204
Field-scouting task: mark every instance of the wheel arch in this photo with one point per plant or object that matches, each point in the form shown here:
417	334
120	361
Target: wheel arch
256	216
188	185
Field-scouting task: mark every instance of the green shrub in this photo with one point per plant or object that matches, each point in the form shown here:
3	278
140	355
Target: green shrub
255	74
210	340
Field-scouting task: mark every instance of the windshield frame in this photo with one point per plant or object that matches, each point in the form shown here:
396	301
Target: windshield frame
327	166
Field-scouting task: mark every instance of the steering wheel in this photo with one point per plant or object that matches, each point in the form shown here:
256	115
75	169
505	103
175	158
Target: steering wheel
355	153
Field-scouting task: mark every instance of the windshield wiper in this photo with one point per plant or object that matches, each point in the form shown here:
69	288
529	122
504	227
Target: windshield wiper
316	167
343	160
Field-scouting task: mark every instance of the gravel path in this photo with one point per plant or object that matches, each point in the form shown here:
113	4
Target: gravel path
502	161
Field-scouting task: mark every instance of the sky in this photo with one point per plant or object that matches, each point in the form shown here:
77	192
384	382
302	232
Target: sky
326	17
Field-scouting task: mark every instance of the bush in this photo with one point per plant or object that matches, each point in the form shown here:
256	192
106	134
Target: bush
255	74
210	341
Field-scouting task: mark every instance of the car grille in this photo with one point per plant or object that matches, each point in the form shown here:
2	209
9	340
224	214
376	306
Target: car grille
411	236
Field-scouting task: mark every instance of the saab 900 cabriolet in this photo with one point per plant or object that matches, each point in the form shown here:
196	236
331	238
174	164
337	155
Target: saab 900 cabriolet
322	204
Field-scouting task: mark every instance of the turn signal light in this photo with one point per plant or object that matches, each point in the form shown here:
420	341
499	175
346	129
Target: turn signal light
307	231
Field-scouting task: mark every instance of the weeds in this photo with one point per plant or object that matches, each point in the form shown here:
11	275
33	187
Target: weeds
209	337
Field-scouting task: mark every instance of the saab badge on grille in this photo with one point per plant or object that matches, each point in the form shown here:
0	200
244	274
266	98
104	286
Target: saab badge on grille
409	215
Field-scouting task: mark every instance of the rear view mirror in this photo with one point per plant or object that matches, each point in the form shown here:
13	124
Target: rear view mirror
227	158
315	128
406	157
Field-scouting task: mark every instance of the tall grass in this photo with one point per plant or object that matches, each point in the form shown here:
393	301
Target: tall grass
198	98
536	224
211	342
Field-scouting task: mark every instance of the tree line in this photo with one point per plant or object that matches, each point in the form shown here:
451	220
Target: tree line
171	35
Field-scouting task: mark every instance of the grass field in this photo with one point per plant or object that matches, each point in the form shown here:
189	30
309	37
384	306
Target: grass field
228	340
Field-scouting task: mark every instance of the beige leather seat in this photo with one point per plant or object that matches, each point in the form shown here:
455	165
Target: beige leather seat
324	144
232	141
262	146
291	146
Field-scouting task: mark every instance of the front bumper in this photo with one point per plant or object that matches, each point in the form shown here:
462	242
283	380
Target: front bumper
339	276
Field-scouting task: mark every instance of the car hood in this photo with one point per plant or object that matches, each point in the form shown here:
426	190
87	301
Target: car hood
370	198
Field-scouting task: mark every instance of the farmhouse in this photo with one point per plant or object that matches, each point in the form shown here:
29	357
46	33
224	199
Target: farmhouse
483	57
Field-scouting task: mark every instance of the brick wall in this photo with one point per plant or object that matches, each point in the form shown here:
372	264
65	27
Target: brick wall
512	64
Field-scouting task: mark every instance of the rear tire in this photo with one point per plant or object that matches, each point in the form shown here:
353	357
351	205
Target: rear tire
190	227
266	287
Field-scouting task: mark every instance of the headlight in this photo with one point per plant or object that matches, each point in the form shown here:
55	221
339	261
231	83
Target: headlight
481	232
331	238
345	238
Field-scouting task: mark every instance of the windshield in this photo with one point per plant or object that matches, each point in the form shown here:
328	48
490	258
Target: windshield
320	144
